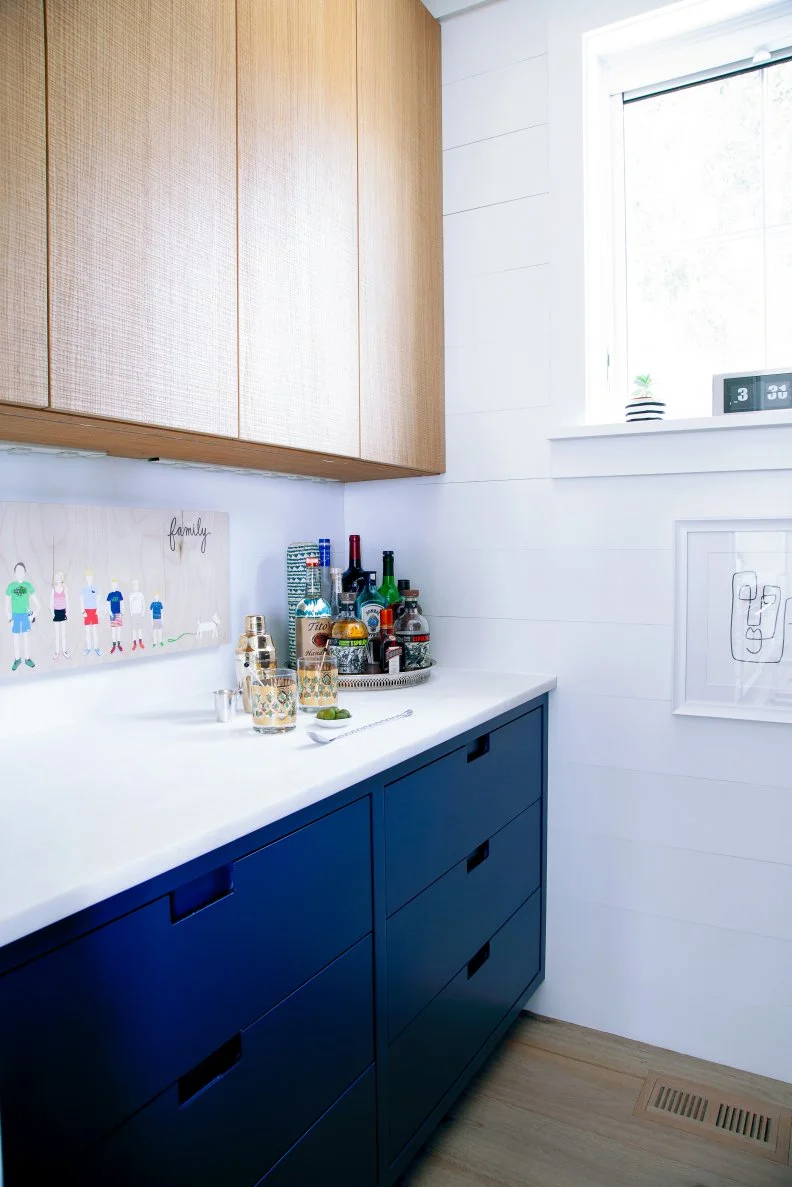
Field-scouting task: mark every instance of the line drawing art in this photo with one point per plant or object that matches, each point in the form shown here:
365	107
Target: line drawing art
210	628
758	626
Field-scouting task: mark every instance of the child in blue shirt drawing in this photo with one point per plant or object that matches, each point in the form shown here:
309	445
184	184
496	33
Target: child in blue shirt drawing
156	609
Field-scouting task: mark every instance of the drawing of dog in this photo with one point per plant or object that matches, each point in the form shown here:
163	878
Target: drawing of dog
208	628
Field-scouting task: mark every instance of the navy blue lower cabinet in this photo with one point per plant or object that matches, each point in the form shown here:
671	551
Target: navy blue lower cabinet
435	1049
229	1119
430	938
435	816
299	1008
91	1032
340	1150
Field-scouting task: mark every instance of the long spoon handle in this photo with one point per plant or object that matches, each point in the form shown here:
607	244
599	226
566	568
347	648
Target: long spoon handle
370	726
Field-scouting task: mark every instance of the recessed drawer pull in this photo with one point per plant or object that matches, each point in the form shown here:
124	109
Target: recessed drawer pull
478	856
202	892
479	748
481	958
210	1070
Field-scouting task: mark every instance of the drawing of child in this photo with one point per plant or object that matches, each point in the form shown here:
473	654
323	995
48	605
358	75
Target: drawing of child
89	603
137	608
22	606
156	609
115	599
59	605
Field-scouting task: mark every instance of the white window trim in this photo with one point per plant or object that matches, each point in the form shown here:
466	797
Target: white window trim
644	53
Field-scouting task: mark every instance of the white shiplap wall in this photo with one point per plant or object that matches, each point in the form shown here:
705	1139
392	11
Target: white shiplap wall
670	856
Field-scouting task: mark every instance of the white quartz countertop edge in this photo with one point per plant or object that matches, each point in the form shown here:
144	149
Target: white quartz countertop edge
81	825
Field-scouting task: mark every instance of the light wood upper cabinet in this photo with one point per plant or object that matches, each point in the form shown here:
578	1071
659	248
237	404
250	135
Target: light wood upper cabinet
400	230
298	282
23	204
142	119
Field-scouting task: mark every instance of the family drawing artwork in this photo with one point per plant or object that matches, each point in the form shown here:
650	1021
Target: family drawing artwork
23	609
160	583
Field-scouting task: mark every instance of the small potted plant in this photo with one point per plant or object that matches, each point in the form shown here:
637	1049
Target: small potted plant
643	404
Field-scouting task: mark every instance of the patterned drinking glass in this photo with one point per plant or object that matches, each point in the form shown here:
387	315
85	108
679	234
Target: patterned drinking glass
274	696
317	680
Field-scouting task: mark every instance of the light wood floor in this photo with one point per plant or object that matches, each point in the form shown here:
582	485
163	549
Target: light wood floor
553	1108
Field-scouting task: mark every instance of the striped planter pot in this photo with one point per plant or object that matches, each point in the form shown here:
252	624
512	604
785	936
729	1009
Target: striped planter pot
643	408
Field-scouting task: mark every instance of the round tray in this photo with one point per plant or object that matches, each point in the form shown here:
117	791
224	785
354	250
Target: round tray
382	680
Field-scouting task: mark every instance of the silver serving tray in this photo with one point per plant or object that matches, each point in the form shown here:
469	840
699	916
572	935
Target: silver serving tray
382	680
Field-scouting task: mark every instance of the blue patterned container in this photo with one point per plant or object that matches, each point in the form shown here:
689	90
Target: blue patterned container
296	556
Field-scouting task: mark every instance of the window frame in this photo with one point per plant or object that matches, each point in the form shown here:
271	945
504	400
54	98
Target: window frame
613	71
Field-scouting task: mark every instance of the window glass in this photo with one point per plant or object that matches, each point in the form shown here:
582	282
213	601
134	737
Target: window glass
708	233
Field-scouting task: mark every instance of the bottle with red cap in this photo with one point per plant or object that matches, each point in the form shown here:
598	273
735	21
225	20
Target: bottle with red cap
390	649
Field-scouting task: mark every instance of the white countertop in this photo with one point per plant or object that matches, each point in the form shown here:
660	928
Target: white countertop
88	811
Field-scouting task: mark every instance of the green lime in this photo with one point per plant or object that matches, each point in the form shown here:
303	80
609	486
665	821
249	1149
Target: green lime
342	714
326	715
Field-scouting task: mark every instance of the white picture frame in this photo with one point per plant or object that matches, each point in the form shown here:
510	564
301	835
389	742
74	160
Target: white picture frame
733	619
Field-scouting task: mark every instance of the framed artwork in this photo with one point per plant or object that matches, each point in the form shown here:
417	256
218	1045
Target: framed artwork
733	619
81	586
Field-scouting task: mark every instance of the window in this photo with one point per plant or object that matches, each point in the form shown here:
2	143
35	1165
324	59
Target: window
688	201
708	232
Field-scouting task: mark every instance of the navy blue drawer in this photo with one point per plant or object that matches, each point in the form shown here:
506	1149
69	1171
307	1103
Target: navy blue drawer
433	935
435	816
230	1120
92	1031
435	1049
340	1150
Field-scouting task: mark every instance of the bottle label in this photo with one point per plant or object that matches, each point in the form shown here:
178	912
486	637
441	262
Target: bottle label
370	617
390	661
350	656
416	651
312	636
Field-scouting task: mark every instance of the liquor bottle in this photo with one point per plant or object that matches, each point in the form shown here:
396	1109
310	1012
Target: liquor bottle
404	584
388	589
335	592
390	648
313	617
354	577
413	634
349	642
369	604
324	567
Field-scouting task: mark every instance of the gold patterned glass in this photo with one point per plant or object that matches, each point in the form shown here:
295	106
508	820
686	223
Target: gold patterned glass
317	680
274	696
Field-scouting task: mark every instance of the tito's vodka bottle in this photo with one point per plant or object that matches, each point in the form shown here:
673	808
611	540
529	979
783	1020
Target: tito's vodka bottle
313	618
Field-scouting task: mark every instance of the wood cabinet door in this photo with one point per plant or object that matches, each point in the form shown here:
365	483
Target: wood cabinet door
298	283
23	203
400	229
142	174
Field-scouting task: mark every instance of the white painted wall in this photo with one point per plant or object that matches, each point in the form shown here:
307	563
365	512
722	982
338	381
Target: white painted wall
265	515
670	855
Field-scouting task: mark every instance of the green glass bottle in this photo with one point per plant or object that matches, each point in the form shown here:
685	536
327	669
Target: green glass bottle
389	589
368	605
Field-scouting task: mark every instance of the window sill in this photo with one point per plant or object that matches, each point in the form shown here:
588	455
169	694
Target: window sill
710	444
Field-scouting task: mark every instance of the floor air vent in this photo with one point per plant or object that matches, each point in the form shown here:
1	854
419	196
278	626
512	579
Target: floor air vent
754	1126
